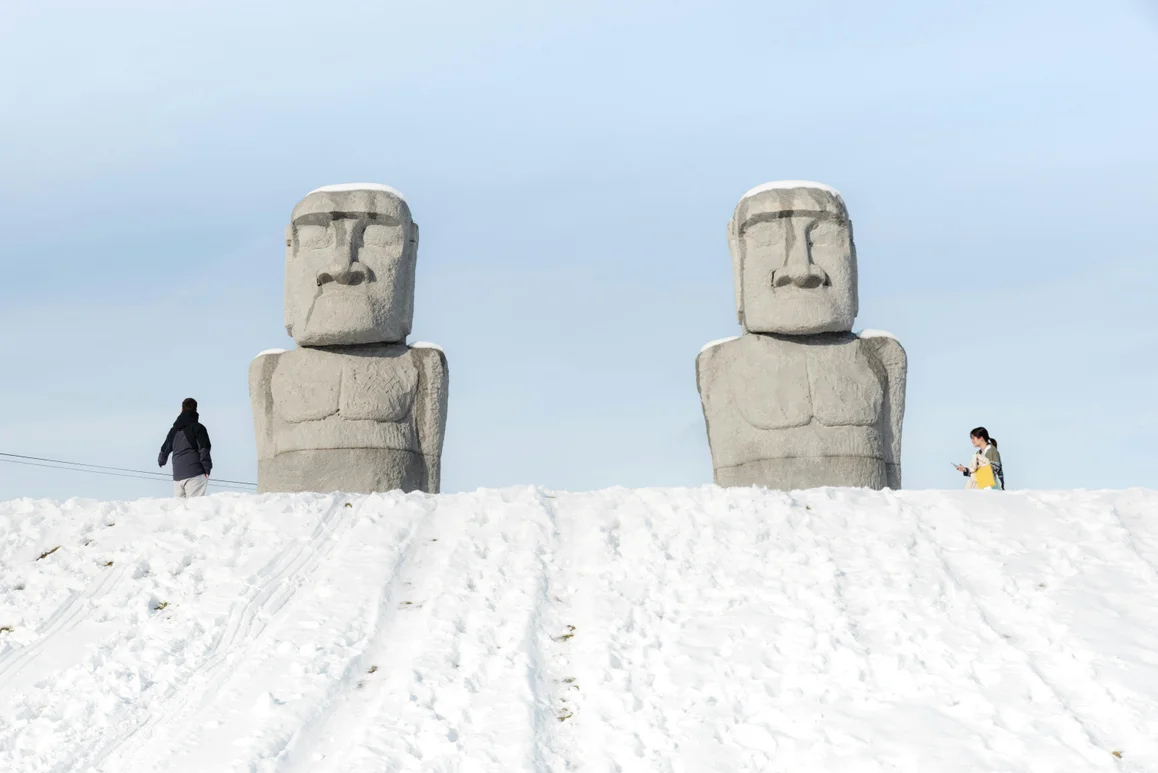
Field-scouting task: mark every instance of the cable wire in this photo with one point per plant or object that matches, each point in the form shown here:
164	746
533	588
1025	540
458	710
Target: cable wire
99	469
225	486
116	475
117	469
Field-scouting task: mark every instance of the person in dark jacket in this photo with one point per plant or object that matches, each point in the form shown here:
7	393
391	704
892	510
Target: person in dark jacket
188	442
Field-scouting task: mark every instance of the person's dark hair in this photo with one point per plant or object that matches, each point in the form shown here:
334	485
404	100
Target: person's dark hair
188	404
983	433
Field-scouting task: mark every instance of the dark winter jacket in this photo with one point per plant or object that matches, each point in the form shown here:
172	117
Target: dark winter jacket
188	442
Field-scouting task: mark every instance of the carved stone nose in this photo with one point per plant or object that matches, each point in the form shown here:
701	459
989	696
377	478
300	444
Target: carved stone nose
798	269
808	276
349	274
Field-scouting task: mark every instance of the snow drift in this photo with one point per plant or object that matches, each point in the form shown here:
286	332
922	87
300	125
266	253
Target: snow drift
525	630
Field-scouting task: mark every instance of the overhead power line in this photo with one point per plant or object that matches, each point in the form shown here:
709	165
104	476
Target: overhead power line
117	469
143	476
100	469
221	484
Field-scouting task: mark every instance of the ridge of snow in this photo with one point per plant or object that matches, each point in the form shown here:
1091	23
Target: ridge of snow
779	185
269	351
344	187
717	342
875	334
522	629
425	345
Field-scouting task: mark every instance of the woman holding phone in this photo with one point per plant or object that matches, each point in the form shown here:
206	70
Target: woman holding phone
987	456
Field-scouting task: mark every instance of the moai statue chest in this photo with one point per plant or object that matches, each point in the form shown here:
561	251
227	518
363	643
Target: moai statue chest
776	383
311	385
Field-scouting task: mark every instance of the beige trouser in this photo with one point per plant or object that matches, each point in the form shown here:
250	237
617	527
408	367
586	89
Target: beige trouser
190	487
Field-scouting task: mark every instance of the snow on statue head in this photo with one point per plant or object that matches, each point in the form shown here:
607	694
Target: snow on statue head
349	266
799	400
353	408
793	260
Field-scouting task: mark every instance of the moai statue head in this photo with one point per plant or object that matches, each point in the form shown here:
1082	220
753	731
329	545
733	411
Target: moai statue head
793	260
349	266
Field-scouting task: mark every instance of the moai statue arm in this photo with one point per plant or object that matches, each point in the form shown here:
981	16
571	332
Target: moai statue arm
430	409
703	386
261	400
891	355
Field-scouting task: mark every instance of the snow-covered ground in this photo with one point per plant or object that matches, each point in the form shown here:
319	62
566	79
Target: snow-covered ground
526	630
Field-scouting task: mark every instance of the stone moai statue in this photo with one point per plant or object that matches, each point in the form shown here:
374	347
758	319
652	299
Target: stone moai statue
353	408
799	401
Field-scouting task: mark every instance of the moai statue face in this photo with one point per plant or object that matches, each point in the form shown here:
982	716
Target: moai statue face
349	266
793	260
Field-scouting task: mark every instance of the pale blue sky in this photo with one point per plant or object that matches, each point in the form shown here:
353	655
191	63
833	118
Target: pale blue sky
573	166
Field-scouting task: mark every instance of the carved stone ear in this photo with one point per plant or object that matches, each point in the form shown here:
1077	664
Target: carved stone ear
414	233
737	272
289	234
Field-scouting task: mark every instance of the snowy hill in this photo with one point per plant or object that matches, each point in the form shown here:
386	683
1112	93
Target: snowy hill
523	630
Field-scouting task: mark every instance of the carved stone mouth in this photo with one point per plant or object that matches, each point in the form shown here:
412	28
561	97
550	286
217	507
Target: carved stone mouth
352	275
348	279
813	283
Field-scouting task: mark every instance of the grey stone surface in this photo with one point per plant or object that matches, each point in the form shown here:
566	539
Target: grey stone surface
793	260
349	267
360	418
353	408
798	401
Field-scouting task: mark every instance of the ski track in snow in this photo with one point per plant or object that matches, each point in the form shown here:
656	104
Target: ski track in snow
273	586
984	611
673	631
446	674
67	617
1065	664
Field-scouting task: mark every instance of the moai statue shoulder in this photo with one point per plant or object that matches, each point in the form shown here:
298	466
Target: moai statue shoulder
798	400
353	408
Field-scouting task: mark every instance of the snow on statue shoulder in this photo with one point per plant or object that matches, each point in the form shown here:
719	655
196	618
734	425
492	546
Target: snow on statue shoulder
353	408
798	401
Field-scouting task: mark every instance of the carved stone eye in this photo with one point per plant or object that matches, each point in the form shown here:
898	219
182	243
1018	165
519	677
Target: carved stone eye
770	233
313	236
378	235
828	235
822	234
